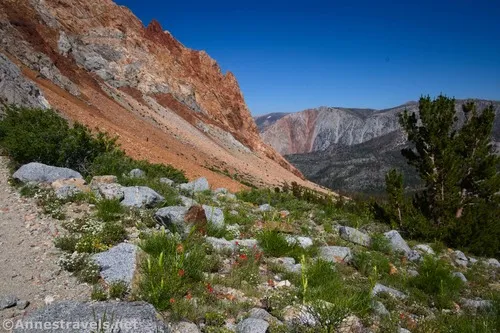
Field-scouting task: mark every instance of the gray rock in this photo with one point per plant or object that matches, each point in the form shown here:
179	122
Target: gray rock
67	191
132	317
287	263
294	315
412	273
460	259
335	254
380	309
172	217
167	181
63	44
262	314
221	190
16	89
188	202
248	243
118	263
21	305
476	304
424	248
303	242
221	244
265	208
8	301
111	191
460	275
215	216
414	255
136	173
41	173
403	330
492	262
252	325
354	236
379	288
140	197
198	185
185	327
397	242
472	260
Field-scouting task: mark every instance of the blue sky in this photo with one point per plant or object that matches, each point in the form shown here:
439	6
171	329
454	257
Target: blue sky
289	56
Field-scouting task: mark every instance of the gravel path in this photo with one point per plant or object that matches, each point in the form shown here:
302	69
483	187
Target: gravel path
28	258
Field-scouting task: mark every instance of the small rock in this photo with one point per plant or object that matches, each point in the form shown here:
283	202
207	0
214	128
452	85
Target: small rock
8	301
111	191
354	236
262	314
476	304
379	288
167	181
221	190
414	255
283	284
303	242
460	259
335	254
118	263
295	315
140	197
21	305
172	217
403	330
397	242
220	244
136	173
412	273
424	248
107	179
185	327
380	309
351	324
215	216
42	173
288	264
67	191
284	213
198	185
252	325
492	262
461	276
472	261
188	202
265	208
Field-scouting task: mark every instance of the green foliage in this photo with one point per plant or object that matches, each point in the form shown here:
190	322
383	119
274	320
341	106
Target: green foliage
37	135
216	319
460	170
395	194
98	294
66	243
436	279
369	263
275	244
171	268
118	289
380	243
109	210
478	323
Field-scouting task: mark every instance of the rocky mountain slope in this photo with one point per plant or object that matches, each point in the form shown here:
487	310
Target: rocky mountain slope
98	64
348	149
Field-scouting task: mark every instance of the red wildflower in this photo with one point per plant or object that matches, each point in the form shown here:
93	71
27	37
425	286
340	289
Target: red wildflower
209	288
243	256
172	300
180	248
189	296
181	272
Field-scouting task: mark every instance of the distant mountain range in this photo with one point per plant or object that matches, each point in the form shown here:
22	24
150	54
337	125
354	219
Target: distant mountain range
347	149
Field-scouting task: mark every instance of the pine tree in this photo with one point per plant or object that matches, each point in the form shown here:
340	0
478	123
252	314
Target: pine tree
395	194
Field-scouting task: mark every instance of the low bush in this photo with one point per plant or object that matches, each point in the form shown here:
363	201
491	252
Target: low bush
109	210
275	244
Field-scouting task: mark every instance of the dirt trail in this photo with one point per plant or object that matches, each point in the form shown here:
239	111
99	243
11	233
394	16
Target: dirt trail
28	258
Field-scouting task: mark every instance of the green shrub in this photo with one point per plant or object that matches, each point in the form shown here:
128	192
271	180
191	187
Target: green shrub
380	243
66	243
109	210
118	289
112	234
37	135
368	263
436	279
98	294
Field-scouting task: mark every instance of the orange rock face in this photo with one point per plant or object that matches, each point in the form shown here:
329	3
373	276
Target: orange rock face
98	64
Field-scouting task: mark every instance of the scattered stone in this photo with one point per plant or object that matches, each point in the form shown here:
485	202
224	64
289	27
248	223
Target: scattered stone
118	263
21	305
287	263
77	182
284	213
424	248
42	173
284	284
493	262
476	304
414	255
140	197
188	202
249	243
380	309
252	325
198	185
460	275
303	242
403	330
379	288
335	254
111	191
220	244
412	273
262	314
472	261
8	301
215	216
351	324
107	179
294	315
185	327
460	259
136	173
67	191
354	236
172	217
136	317
221	190
397	242
167	181
265	208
